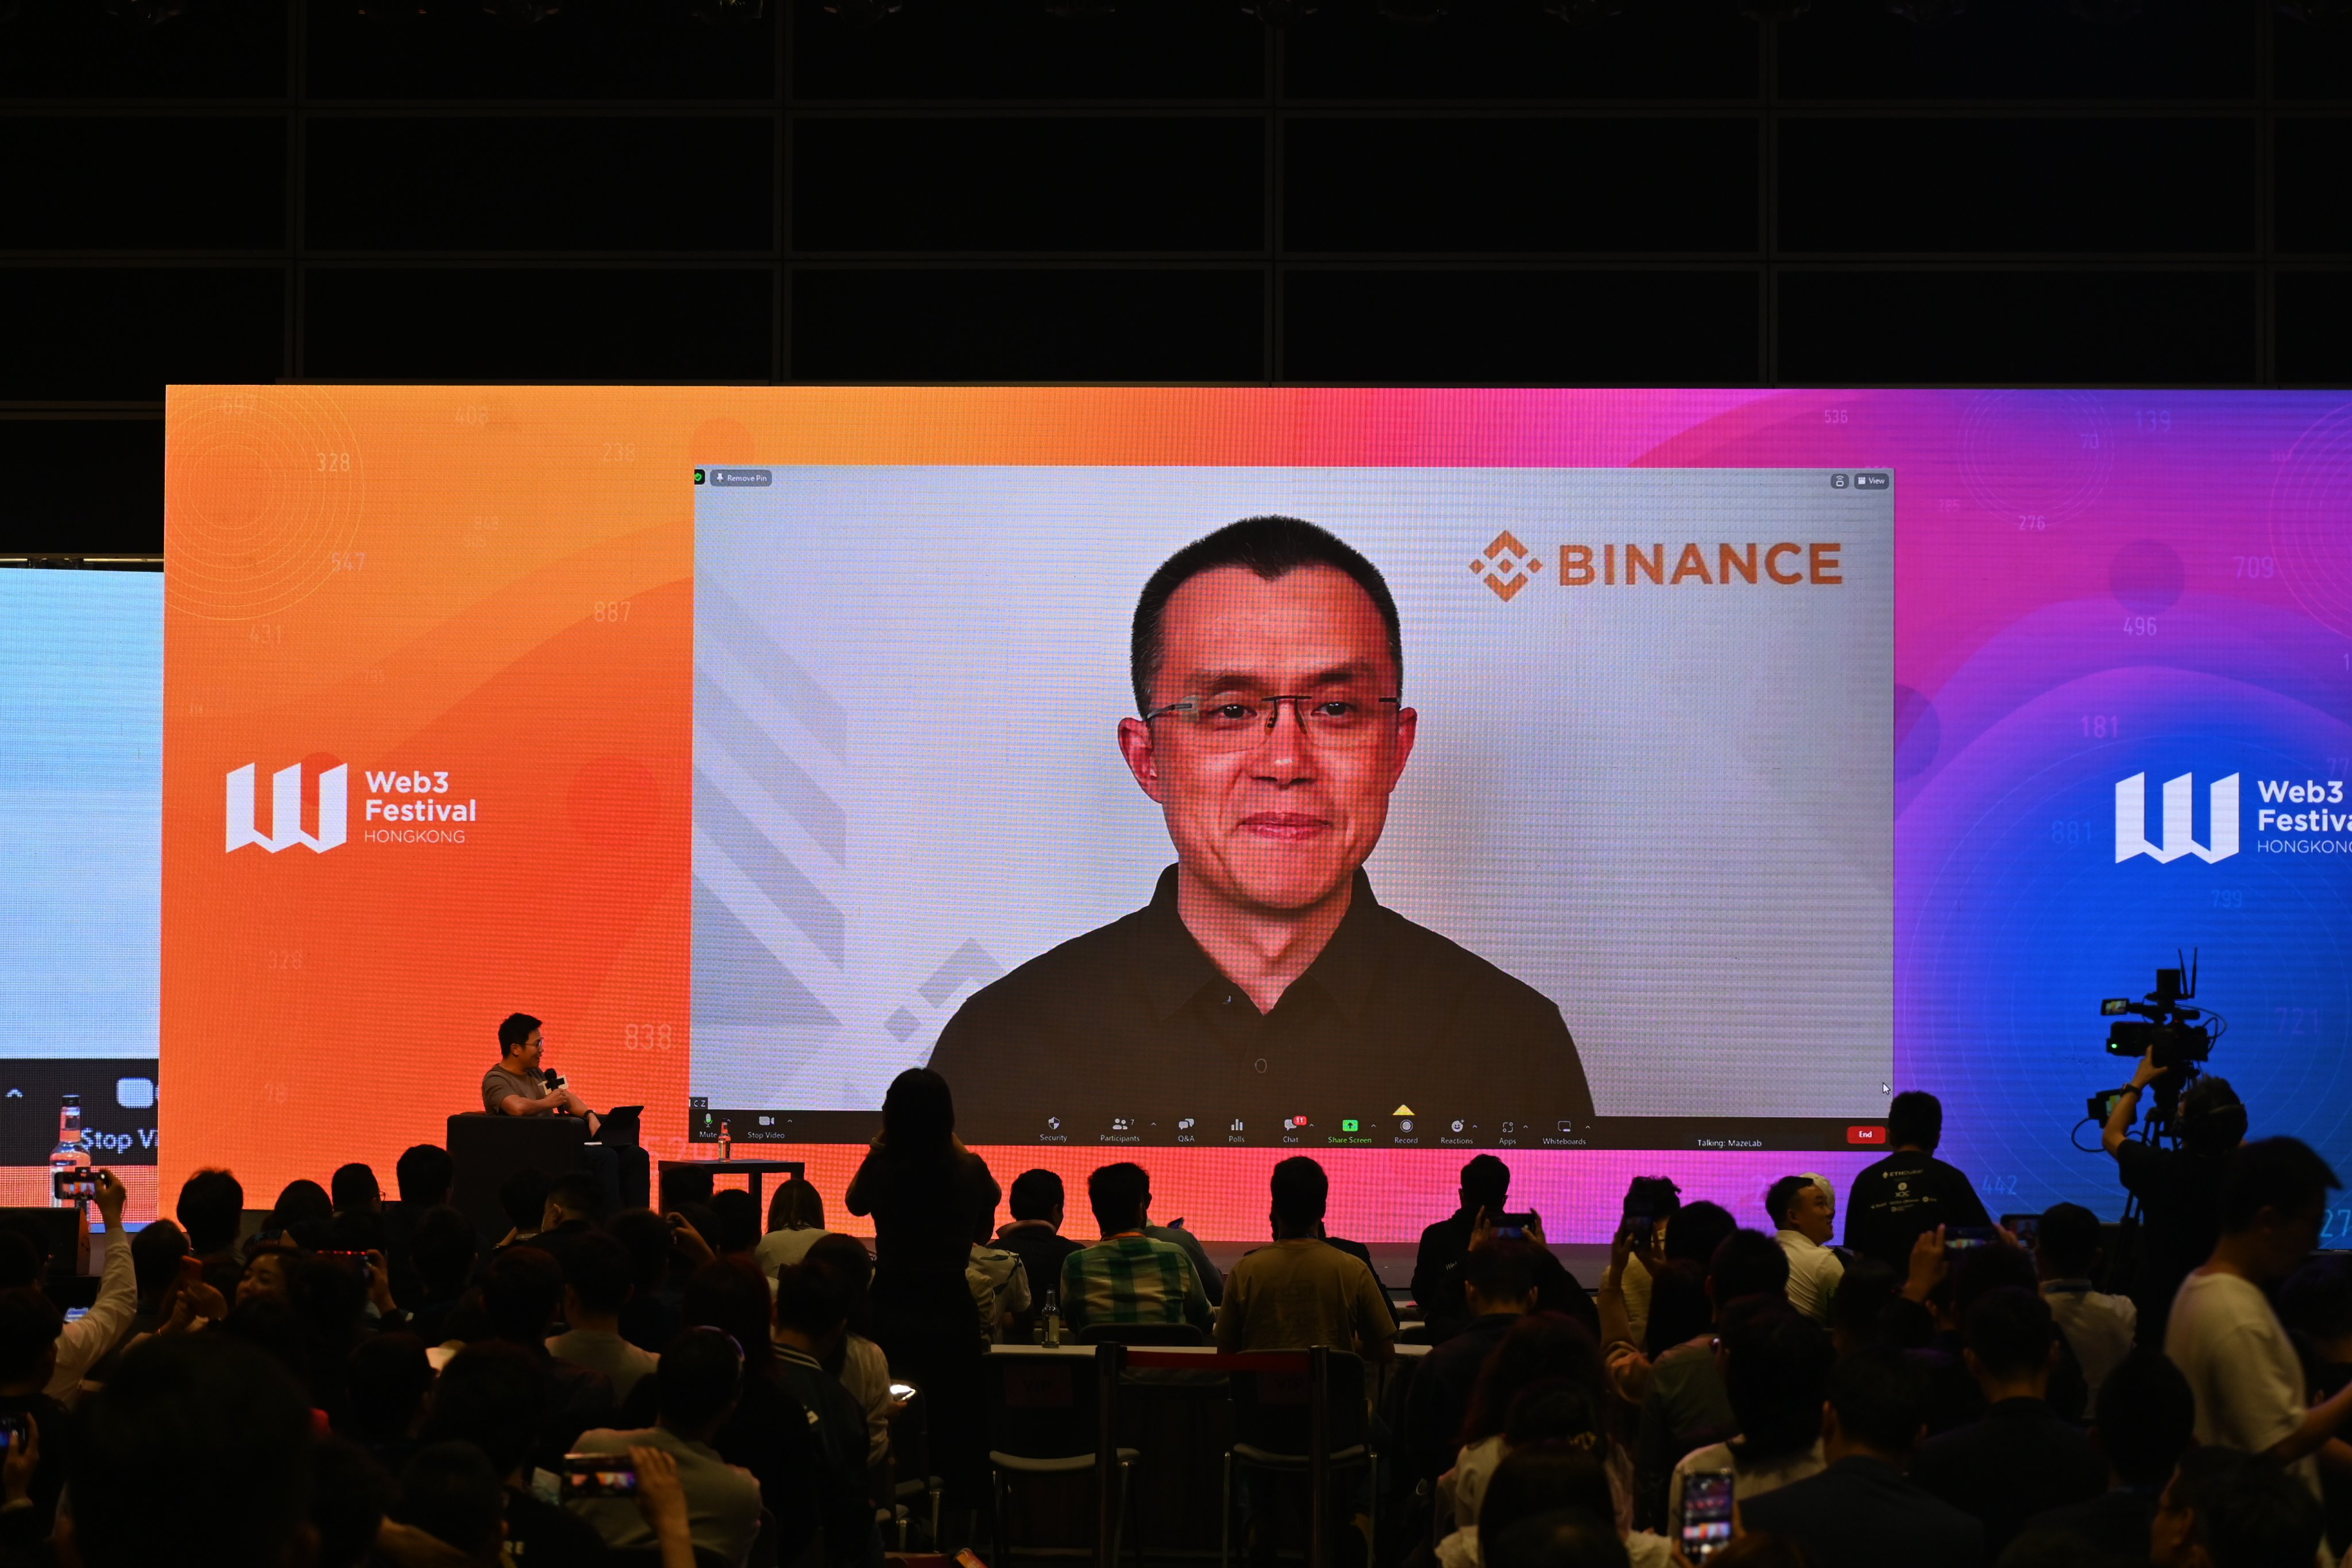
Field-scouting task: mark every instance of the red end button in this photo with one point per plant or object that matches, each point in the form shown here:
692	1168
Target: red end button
1865	1134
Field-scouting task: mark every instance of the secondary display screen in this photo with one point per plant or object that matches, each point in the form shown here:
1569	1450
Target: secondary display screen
757	791
81	731
1636	776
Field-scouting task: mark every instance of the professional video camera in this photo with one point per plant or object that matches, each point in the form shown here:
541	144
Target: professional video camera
2180	1038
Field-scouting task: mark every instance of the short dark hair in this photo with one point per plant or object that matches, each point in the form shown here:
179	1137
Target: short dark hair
1542	1478
811	1298
1485	1181
355	1186
1504	1270
29	1324
798	1205
1115	1192
1915	1117
524	1196
1272	547
1540	1345
738	1220
449	1491
648	1241
730	1294
442	1246
155	1254
1036	1195
2316	1299
491	1394
2147	1415
1861	1296
1659	1195
1556	1409
1301	1190
515	1030
2249	1513
1556	1538
1748	1263
2067	1240
598	1273
387	1378
2281	1174
1779	1195
211	1209
699	1373
845	1255
580	1193
918	1114
1876	1394
300	1201
197	1451
423	1174
2010	1332
522	1288
2212	1119
1698	1229
1775	1368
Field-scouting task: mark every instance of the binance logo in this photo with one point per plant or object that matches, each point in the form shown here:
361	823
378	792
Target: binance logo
1505	566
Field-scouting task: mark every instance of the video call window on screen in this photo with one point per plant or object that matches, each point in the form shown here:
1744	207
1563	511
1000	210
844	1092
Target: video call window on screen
1573	787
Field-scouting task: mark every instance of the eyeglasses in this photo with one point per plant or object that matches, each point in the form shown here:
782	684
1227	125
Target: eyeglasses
1235	722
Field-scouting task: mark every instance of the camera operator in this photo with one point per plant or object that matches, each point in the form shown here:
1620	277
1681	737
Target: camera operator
515	1087
2178	1189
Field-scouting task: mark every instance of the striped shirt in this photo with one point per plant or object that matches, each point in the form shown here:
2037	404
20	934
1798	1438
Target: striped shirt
1131	1279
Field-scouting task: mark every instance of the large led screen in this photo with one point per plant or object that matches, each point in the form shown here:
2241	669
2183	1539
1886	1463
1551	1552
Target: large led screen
478	703
1649	753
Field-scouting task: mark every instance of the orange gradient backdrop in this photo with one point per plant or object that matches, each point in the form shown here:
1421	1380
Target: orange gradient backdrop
497	583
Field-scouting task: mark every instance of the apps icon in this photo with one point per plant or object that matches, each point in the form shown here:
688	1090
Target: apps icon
1509	1128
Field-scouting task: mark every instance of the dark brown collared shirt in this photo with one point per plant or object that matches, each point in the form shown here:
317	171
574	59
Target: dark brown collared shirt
1131	1034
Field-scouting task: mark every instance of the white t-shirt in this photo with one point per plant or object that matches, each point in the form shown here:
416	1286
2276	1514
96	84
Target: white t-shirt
2100	1327
1814	1274
2240	1365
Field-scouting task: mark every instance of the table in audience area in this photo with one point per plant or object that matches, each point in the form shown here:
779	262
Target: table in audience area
755	1168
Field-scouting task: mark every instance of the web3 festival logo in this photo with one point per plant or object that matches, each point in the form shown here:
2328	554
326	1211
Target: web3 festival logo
331	800
2180	802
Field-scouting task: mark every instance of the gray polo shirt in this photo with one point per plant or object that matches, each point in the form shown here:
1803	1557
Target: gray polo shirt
497	1083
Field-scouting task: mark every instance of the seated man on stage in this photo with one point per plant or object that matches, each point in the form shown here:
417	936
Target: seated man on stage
514	1088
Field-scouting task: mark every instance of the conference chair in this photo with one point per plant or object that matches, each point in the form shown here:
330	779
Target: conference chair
1270	1416
1044	1413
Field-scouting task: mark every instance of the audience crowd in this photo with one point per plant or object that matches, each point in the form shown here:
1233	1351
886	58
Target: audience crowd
354	1380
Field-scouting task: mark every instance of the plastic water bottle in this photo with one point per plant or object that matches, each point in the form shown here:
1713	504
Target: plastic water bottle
726	1140
68	1156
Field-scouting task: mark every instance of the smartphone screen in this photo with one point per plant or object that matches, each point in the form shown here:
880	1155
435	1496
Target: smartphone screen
1960	1237
1707	1513
598	1475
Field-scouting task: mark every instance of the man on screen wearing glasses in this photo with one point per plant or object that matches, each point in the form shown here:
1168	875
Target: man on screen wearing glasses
1263	983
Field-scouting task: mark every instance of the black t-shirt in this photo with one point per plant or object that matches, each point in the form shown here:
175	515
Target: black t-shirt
1134	1020
1893	1201
2179	1191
